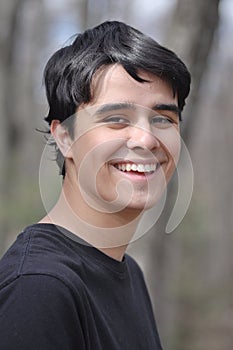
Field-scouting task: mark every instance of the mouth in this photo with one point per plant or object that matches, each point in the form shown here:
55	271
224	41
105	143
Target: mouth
137	168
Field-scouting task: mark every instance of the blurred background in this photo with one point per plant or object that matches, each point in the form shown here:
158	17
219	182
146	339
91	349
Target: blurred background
189	272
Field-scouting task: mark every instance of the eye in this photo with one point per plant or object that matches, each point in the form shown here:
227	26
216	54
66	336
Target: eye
117	121
162	122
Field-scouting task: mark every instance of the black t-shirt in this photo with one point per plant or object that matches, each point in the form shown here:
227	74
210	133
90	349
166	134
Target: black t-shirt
58	293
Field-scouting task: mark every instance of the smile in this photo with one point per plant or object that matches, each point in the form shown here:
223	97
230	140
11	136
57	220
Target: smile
137	168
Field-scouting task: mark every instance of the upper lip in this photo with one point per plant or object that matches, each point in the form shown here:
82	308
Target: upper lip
137	161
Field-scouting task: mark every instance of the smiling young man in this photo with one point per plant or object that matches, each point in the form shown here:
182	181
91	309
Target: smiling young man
115	98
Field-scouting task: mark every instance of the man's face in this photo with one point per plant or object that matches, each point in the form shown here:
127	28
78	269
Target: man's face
126	141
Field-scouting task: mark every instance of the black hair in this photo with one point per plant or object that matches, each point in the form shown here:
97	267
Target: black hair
69	72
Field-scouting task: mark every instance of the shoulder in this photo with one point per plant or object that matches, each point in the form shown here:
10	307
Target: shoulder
33	306
34	288
41	251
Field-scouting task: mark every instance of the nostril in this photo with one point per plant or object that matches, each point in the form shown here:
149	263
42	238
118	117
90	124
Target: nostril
136	145
148	144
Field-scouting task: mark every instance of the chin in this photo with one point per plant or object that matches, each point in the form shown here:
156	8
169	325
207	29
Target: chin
143	205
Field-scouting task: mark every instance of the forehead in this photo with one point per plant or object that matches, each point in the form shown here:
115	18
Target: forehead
114	84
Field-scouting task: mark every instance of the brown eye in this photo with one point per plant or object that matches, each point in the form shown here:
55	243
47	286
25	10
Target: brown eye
117	120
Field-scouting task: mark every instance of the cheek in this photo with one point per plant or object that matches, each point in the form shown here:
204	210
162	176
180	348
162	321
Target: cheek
85	148
171	141
174	149
171	144
92	151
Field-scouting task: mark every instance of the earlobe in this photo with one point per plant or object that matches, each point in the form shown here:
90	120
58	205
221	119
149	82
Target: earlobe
62	138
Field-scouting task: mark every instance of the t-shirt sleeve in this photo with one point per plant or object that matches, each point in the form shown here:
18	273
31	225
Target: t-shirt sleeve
39	312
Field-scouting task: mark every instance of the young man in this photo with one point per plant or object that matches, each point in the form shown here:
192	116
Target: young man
115	98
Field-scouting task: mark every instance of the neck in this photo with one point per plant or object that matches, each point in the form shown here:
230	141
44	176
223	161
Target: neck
108	232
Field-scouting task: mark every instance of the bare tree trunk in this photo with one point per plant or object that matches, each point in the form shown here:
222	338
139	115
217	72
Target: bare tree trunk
190	35
83	14
8	13
18	110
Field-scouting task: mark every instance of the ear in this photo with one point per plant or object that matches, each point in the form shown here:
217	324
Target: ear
62	138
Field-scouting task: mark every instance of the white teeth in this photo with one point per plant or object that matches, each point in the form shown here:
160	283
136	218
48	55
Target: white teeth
141	168
128	167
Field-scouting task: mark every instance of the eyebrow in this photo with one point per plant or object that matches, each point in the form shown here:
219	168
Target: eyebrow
166	107
111	107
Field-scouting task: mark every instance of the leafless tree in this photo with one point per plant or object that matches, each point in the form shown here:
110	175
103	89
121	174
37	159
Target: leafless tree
190	34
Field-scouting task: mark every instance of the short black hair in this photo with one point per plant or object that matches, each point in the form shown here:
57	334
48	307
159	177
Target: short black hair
69	72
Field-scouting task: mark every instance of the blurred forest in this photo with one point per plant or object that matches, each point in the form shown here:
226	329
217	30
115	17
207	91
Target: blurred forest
189	272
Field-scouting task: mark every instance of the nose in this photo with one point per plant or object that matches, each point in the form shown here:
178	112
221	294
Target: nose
142	138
